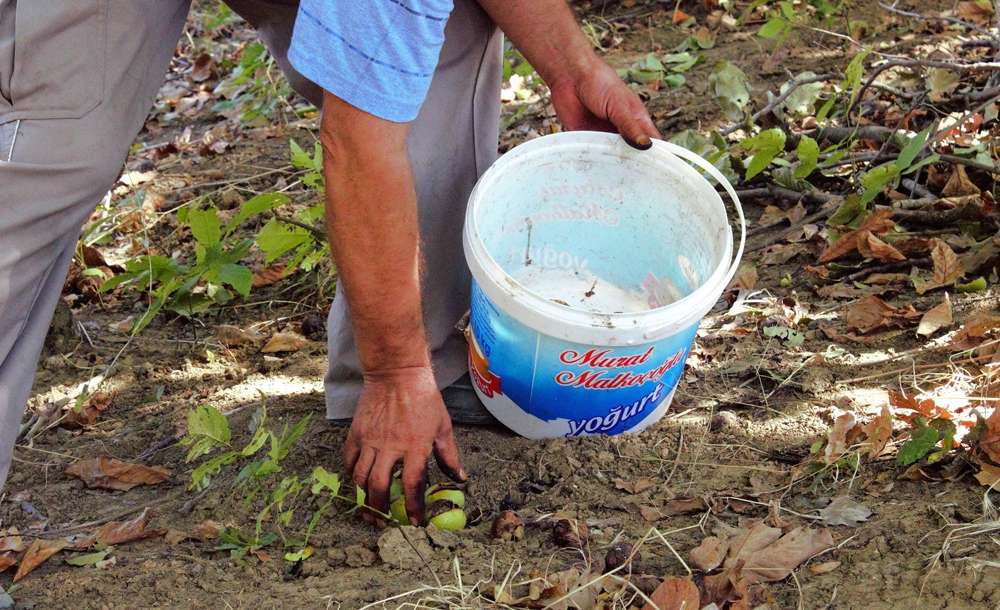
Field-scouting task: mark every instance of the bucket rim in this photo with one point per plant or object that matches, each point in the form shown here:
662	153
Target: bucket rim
609	329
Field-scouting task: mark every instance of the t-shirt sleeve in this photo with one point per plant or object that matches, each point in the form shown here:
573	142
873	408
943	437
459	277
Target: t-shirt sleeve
377	55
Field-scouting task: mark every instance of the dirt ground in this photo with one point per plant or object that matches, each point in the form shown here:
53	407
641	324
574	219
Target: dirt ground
745	415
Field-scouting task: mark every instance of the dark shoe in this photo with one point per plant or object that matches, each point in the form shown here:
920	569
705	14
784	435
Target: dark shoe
464	405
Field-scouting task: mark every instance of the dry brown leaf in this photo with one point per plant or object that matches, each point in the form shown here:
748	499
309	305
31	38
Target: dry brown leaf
836	440
746	278
675	594
825	567
118	532
39	551
989	442
926	407
947	266
988	475
268	276
872	313
650	513
7	559
680	16
207	530
108	473
11	540
936	318
777	560
771	216
959	183
87	414
284	342
203	68
709	554
878	431
173	536
975	330
747	542
636	486
870	246
684	506
976	12
876	224
778	254
234	336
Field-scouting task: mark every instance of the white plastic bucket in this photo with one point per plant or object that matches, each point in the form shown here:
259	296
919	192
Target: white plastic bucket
568	335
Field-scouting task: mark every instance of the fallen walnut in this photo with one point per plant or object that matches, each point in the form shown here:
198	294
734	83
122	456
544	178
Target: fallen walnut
507	526
617	556
570	533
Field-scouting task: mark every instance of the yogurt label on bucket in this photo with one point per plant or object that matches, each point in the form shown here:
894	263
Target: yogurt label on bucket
531	381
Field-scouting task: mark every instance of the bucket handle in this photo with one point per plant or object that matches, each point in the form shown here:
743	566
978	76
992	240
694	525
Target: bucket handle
697	160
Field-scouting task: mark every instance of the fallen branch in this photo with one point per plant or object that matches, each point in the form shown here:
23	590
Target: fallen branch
778	192
886	268
938	217
946	18
921	63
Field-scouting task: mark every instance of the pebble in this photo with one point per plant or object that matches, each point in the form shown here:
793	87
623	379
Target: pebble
6	601
404	547
442	538
724	420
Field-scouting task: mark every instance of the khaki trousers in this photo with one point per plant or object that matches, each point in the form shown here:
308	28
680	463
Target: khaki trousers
77	78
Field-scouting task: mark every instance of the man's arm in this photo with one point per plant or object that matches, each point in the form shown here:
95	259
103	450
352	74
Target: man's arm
374	236
586	92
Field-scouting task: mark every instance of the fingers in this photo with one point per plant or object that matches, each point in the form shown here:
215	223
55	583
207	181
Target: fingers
633	122
414	485
362	467
352	451
446	454
379	480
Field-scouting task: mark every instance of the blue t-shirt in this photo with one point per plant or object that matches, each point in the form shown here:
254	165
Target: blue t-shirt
377	55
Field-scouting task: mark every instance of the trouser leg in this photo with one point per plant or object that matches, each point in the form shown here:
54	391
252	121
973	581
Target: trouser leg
452	142
76	82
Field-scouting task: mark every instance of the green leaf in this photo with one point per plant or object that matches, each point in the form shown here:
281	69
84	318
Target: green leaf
299	158
808	154
922	440
280	447
322	479
201	477
877	179
976	285
730	88
802	101
681	62
852	76
775	26
928	160
205	226
674	80
764	147
300	555
849	210
88	559
912	149
260	437
255	207
787	10
237	276
207	429
277	238
825	109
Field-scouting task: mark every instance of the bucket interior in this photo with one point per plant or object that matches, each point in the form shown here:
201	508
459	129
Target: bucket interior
602	228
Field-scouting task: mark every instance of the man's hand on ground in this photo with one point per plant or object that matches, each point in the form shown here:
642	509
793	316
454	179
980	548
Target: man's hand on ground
598	100
400	417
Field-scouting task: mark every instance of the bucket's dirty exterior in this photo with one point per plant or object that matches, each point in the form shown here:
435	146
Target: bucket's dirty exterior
593	264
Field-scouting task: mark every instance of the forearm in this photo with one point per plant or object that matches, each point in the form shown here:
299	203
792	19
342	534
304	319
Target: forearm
374	236
547	33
